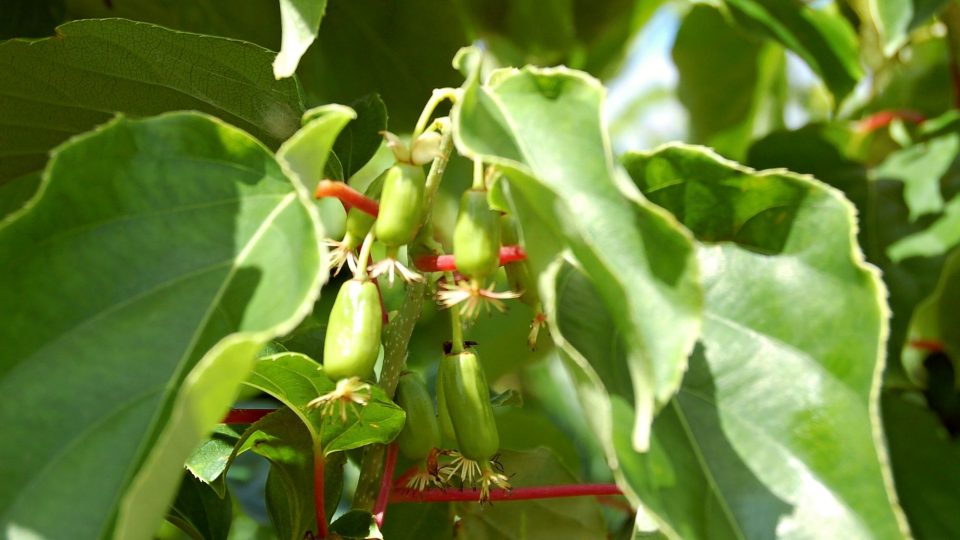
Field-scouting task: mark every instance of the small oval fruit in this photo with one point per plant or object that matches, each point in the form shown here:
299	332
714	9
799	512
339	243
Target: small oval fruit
401	205
443	416
420	433
352	342
476	237
467	398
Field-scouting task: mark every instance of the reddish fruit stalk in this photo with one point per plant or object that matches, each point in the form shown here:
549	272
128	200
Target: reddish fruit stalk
348	196
516	494
927	345
883	118
246	416
444	263
318	509
386	486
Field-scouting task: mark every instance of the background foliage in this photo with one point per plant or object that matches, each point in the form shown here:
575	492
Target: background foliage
754	338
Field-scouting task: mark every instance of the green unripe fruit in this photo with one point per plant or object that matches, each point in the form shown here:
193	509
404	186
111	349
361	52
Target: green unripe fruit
518	272
357	226
467	398
401	205
476	237
443	416
352	342
420	433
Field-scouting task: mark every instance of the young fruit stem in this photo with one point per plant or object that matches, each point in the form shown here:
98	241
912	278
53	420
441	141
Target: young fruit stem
348	196
456	327
363	261
386	486
479	184
438	96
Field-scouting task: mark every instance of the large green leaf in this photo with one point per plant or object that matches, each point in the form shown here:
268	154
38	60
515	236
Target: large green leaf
301	21
935	240
788	375
296	380
824	151
256	21
543	128
58	87
926	465
576	517
139	287
820	35
725	76
400	49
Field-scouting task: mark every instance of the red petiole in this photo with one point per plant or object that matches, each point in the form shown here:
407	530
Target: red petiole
318	503
444	263
350	197
245	416
928	345
884	118
386	486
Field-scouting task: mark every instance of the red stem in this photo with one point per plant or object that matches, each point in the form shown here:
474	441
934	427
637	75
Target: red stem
386	485
516	494
928	345
318	493
347	195
883	118
444	263
245	416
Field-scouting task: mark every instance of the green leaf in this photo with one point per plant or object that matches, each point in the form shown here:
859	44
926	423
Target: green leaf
543	128
256	21
821	36
725	76
785	380
575	517
920	168
399	49
15	193
933	241
891	20
418	521
283	439
926	466
200	512
296	380
159	258
298	153
825	152
301	21
937	319
30	18
209	460
361	140
58	87
357	524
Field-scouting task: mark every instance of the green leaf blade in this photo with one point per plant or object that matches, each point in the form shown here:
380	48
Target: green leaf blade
543	128
787	379
150	243
58	87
